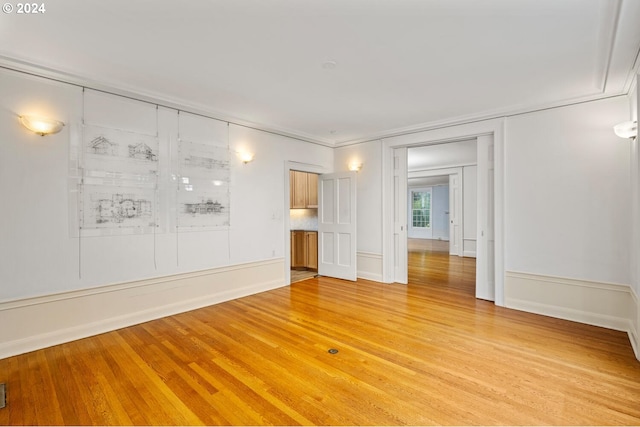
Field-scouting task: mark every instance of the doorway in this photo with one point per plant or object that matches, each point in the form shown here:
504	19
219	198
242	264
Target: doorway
490	195
303	220
329	239
435	254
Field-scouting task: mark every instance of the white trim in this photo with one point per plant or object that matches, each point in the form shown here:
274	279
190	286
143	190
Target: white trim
445	168
150	97
634	324
497	114
66	77
44	321
471	253
496	127
607	305
434	172
369	266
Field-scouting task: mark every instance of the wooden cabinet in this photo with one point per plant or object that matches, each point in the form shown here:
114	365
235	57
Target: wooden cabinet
304	250
311	241
298	189
303	190
298	249
312	190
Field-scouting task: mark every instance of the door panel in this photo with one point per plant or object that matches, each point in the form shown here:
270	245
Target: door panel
485	251
337	225
400	267
455	213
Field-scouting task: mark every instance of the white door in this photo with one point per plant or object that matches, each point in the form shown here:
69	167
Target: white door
337	225
485	251
455	213
400	256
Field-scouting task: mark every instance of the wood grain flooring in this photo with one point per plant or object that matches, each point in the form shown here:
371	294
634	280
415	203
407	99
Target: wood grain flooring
423	354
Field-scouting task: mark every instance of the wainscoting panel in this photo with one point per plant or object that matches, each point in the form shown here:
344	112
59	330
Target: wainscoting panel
601	304
634	324
369	266
469	248
41	322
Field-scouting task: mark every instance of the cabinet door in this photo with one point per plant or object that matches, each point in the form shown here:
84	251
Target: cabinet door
311	238
298	249
312	190
298	185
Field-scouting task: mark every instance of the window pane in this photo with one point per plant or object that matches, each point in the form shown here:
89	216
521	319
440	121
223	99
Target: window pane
421	209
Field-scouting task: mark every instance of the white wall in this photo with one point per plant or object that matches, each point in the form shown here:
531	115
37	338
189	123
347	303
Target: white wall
369	204
635	195
567	210
37	254
634	247
368	191
569	228
440	206
260	197
45	266
567	186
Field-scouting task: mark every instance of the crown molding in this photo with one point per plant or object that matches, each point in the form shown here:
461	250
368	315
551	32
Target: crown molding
65	77
155	98
479	117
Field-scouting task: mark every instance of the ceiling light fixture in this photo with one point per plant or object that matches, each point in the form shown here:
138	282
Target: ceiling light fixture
41	126
627	129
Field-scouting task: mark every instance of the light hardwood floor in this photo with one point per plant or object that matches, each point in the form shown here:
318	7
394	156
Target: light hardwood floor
426	353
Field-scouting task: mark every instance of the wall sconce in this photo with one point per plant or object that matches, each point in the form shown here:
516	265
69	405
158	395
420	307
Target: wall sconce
40	125
626	129
246	157
355	166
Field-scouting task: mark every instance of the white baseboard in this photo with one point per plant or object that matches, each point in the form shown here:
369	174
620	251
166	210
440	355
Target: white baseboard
54	319
607	305
369	266
469	248
634	324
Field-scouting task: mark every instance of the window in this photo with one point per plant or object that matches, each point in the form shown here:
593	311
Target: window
421	209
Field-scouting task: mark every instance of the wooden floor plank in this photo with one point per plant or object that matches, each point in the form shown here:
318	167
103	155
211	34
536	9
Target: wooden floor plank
427	353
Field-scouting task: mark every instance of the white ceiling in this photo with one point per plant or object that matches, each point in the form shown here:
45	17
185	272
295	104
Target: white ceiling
400	64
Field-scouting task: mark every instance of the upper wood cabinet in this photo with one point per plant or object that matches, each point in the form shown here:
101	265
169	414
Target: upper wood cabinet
303	190
298	186
312	190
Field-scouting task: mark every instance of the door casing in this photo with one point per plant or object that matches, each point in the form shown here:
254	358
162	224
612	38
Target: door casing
303	167
390	146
